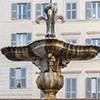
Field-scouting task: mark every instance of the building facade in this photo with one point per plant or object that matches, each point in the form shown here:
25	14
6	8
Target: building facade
18	28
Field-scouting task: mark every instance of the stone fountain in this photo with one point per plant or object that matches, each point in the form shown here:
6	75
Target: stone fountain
50	54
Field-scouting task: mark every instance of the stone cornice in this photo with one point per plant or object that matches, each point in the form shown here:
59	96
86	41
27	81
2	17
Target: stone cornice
93	32
70	33
72	72
92	71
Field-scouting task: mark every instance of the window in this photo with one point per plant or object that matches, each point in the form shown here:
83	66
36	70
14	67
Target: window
17	78
71	86
93	87
72	41
93	9
40	9
71	10
21	39
95	42
21	11
41	94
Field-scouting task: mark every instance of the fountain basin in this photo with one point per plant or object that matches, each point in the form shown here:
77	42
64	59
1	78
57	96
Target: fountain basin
39	50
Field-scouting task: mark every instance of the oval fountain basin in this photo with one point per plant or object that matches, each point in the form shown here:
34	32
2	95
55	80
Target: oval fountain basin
39	50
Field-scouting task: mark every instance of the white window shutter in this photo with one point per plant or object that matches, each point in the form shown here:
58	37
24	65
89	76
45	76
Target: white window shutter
23	78
88	87
38	10
88	41
12	78
13	39
28	10
88	10
98	87
29	38
14	11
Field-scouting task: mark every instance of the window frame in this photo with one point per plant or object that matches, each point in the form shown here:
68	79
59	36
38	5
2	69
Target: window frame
70	92
41	11
71	10
69	40
15	80
14	38
16	11
96	87
89	41
96	10
89	9
41	94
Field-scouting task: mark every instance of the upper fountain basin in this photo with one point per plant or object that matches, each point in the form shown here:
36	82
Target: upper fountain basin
39	50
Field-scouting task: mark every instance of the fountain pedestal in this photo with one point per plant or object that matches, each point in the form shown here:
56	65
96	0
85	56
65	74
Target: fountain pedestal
50	82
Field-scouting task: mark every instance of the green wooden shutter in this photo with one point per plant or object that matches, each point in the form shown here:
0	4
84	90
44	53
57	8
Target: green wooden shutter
23	78
29	38
88	87
28	10
13	39
14	11
38	10
12	78
88	10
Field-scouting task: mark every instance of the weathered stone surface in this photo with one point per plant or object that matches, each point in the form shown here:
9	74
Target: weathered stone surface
50	83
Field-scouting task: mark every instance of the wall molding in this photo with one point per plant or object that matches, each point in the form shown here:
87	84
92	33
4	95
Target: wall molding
92	71
66	72
40	34
93	32
72	72
70	33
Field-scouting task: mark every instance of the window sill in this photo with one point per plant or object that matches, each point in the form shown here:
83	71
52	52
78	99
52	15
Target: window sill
81	20
20	19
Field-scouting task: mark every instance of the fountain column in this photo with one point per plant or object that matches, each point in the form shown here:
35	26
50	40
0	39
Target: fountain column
50	80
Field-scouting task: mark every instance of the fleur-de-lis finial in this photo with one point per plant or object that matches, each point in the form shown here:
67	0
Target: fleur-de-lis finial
50	19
